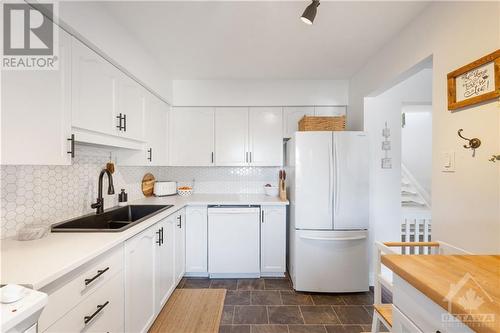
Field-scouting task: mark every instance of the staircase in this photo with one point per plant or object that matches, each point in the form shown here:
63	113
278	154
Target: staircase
412	194
416	211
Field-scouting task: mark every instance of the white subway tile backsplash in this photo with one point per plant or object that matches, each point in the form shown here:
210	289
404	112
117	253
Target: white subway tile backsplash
48	194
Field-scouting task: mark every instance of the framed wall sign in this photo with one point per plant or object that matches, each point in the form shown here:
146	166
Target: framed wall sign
474	83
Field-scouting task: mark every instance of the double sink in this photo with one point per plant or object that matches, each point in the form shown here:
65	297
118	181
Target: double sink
111	220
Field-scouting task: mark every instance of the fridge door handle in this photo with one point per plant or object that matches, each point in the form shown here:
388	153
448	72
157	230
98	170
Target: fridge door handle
333	238
336	191
330	179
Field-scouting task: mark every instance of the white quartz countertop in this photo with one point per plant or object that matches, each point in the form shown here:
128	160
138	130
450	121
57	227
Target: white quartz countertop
40	262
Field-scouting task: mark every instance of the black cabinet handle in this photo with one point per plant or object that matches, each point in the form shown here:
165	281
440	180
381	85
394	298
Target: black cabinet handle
88	319
262	216
150	157
124	122
119	126
99	273
159	237
212	157
250	157
179	218
72	149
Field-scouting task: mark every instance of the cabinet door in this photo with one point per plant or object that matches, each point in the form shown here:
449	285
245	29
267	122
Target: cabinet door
273	239
155	150
180	245
231	136
93	87
329	110
291	117
139	281
192	136
36	112
164	276
196	239
131	108
157	131
266	136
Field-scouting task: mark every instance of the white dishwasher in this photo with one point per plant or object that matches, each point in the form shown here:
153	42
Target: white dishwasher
233	241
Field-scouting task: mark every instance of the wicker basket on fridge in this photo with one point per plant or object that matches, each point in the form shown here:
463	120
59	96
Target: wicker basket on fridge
310	123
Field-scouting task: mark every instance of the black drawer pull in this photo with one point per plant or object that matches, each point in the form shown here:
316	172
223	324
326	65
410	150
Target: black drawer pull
87	319
99	273
124	122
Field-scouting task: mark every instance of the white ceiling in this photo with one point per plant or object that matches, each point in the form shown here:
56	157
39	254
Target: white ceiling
262	39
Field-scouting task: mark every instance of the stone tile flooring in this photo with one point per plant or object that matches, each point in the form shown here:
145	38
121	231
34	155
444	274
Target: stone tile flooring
272	306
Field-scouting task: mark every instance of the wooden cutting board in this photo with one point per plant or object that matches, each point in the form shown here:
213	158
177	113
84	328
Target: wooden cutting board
148	183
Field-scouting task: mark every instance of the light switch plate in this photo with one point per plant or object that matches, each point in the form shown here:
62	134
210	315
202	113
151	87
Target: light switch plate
448	161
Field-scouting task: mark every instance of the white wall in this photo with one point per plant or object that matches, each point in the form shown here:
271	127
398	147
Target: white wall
385	184
416	144
91	21
260	92
465	204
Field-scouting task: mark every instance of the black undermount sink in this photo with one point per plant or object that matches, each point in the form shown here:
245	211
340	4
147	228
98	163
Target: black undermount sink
111	220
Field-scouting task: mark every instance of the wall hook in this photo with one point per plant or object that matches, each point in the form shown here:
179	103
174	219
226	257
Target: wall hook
494	158
474	143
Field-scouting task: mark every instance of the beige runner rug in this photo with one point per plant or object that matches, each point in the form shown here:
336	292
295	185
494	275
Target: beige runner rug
191	311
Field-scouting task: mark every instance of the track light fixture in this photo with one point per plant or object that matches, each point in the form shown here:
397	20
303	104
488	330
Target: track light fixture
310	12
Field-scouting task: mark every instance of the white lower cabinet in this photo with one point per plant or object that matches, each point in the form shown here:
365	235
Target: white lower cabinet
401	324
140	308
102	311
180	244
164	279
415	312
196	240
273	240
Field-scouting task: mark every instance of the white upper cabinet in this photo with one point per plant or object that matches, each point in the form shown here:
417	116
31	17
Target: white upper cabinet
231	136
36	112
291	117
266	136
107	105
130	111
192	136
94	90
155	150
156	131
329	110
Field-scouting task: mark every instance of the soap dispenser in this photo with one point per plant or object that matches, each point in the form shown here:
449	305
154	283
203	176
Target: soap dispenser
122	198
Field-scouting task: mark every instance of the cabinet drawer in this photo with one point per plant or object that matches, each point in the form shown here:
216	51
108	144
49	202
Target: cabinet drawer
102	311
67	292
401	323
422	311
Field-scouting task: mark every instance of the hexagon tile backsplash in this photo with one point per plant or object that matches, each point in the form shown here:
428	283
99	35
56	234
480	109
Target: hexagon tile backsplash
49	194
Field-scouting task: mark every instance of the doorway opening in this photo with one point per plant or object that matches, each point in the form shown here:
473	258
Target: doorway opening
398	120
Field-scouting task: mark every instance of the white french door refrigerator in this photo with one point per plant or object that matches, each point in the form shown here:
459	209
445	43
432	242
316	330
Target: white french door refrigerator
328	174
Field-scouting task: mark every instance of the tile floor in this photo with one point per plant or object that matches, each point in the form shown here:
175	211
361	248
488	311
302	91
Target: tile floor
272	306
